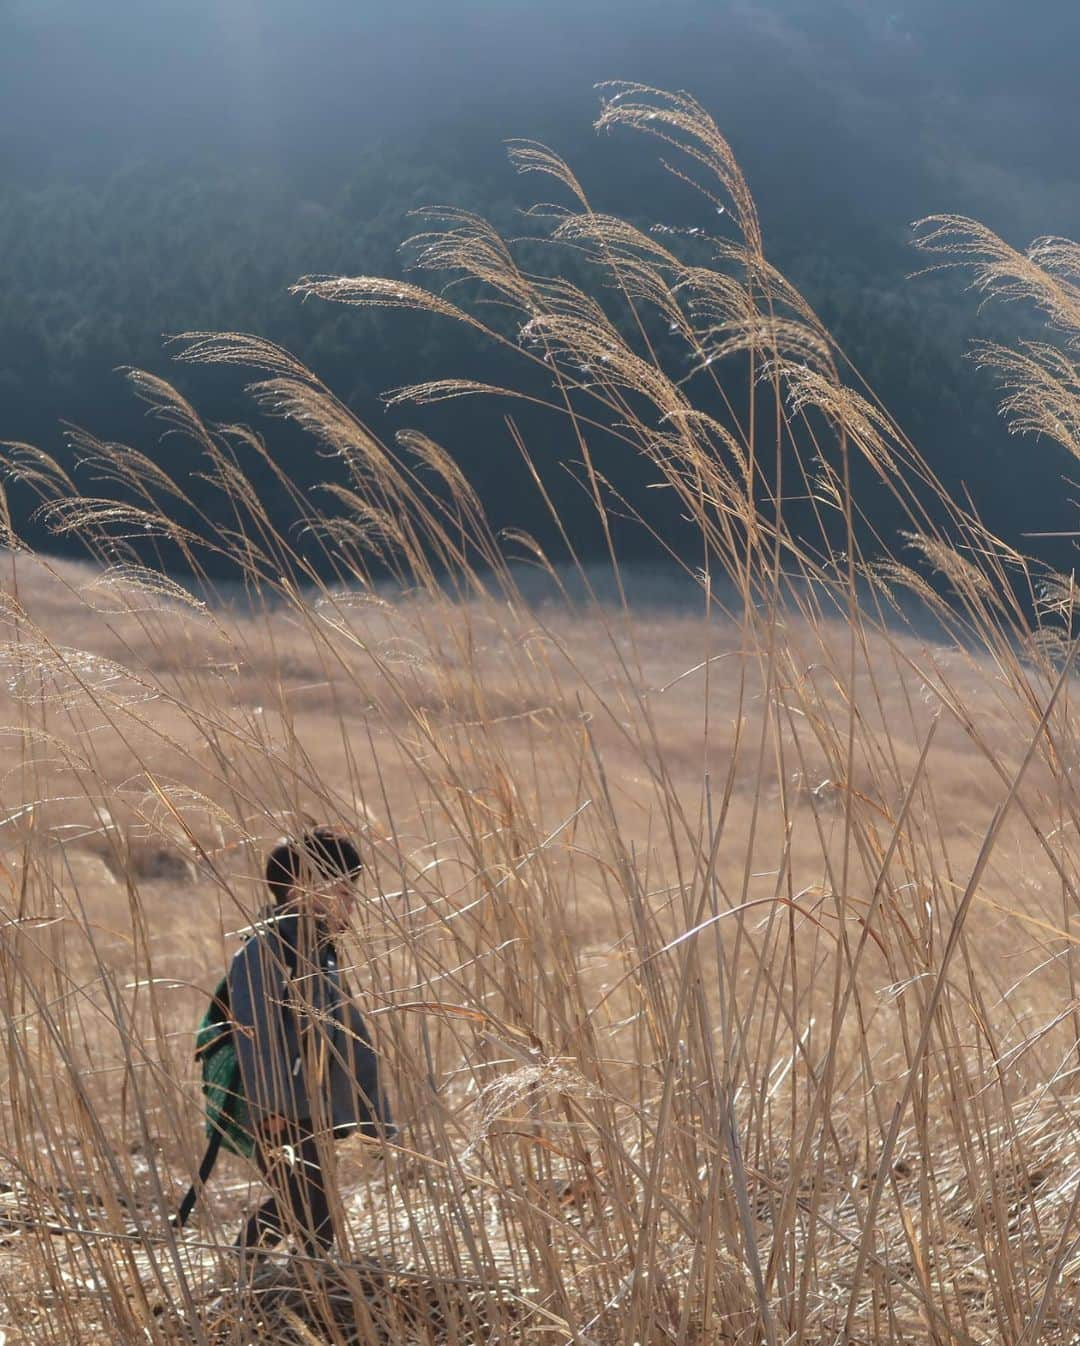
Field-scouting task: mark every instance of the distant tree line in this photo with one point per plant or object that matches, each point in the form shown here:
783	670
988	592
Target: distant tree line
93	276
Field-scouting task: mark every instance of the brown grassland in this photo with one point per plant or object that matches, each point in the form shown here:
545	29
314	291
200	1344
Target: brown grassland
720	954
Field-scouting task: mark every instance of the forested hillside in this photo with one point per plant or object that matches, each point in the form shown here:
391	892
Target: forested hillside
150	190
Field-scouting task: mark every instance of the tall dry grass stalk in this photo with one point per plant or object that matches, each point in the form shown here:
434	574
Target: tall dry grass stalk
721	960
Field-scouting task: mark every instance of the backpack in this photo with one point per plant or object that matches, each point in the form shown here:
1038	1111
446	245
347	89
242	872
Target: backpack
228	1120
227	1115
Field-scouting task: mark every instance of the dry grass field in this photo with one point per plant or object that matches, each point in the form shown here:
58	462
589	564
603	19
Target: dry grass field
721	955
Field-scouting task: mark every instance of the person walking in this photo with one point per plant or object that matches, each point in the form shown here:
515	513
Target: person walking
307	1071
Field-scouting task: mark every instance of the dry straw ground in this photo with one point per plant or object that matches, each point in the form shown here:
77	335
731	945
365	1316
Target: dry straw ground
721	956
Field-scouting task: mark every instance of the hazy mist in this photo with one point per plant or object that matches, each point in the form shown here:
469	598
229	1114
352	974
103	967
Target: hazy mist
954	106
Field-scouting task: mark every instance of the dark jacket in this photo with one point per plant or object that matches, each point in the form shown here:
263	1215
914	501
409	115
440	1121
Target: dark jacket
303	1049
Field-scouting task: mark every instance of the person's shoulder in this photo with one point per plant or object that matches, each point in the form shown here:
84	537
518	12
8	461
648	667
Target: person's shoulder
266	933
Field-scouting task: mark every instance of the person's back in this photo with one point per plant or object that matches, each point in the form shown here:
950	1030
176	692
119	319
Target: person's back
306	1056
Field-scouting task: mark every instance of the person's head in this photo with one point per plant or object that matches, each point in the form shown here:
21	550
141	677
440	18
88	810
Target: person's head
318	871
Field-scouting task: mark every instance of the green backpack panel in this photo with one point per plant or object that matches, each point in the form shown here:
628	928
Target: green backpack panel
227	1112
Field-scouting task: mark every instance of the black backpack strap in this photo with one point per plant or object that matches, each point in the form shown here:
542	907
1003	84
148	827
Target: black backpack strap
209	1159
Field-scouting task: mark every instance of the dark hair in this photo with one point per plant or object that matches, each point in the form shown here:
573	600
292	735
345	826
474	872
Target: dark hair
333	853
